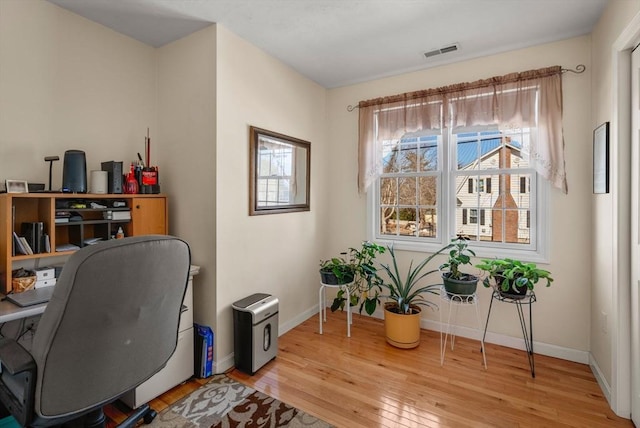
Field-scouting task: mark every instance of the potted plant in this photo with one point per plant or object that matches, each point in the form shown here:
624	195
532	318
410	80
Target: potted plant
402	312
356	268
456	281
513	277
336	271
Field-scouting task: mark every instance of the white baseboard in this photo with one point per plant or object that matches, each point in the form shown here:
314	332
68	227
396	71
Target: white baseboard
499	339
602	381
224	364
227	362
291	324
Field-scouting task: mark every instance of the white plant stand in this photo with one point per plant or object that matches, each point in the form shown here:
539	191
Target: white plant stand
454	302
322	303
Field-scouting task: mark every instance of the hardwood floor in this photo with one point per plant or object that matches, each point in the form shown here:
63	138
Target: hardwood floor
364	382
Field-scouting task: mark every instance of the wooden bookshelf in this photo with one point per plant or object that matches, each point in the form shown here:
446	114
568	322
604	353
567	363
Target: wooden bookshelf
148	215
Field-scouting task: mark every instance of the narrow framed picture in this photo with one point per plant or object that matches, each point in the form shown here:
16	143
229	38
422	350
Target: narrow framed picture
601	159
16	186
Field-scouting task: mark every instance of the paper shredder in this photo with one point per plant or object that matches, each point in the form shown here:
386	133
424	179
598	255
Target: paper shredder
255	331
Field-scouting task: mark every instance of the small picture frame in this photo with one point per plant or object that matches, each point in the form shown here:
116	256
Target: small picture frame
601	159
16	186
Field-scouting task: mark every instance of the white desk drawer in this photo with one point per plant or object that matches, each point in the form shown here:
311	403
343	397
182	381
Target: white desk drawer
186	317
178	369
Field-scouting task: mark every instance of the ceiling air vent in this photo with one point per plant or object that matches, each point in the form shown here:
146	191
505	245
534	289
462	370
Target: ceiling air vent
446	49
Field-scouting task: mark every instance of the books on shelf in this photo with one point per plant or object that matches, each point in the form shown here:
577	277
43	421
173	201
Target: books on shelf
33	243
18	248
33	232
25	245
46	243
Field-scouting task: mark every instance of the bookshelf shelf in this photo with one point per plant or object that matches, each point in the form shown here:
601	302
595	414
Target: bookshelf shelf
148	216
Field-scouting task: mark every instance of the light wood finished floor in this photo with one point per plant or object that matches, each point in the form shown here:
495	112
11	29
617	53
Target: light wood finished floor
364	382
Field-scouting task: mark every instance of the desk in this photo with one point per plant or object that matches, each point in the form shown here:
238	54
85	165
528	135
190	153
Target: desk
11	312
527	332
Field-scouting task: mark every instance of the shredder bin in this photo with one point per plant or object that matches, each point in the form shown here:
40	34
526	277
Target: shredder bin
255	331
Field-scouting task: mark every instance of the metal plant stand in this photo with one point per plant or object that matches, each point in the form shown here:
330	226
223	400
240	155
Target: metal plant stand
527	331
455	301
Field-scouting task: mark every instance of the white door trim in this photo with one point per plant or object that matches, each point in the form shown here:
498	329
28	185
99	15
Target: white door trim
620	137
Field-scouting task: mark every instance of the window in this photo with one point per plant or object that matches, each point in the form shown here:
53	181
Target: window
493	156
465	160
524	185
409	187
420	201
473	216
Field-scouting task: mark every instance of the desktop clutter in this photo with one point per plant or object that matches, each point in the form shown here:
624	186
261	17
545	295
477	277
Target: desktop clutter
80	221
140	178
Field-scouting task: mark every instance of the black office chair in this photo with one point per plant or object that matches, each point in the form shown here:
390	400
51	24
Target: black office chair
111	324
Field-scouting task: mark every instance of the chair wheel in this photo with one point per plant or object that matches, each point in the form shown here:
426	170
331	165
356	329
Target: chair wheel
150	416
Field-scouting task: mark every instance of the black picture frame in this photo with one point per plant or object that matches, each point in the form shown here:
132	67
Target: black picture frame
601	159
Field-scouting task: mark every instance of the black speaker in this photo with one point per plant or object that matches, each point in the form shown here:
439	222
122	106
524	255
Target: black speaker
114	173
74	172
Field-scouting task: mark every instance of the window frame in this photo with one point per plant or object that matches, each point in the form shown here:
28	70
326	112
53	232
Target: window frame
538	251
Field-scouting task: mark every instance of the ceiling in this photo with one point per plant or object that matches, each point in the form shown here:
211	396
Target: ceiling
341	42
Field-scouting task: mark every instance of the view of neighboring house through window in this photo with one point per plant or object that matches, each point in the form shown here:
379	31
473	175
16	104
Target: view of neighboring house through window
489	186
493	156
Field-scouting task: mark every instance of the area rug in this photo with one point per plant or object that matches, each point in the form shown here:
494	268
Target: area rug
222	402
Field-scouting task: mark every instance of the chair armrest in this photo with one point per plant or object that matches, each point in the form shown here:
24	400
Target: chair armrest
14	358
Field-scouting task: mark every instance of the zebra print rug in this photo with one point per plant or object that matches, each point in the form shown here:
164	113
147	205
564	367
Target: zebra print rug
222	402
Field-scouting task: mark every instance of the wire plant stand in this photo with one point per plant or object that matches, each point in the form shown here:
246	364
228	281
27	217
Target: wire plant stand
454	302
527	331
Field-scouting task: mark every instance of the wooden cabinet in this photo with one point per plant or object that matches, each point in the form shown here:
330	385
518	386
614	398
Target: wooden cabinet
149	216
74	220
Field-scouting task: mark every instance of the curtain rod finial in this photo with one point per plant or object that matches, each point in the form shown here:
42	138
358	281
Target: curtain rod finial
580	68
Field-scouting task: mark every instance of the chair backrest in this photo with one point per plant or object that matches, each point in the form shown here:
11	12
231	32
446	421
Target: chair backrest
111	323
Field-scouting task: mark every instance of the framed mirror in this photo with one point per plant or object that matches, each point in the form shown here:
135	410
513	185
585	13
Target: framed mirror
279	173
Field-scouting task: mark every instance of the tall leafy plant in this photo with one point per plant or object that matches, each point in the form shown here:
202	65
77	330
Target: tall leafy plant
405	291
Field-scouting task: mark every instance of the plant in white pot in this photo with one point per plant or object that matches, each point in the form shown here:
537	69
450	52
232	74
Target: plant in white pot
455	281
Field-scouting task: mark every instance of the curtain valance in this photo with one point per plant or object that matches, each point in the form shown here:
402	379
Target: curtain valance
530	99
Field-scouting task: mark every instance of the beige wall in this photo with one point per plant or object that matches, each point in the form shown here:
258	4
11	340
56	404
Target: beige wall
68	83
276	254
607	209
561	315
186	153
